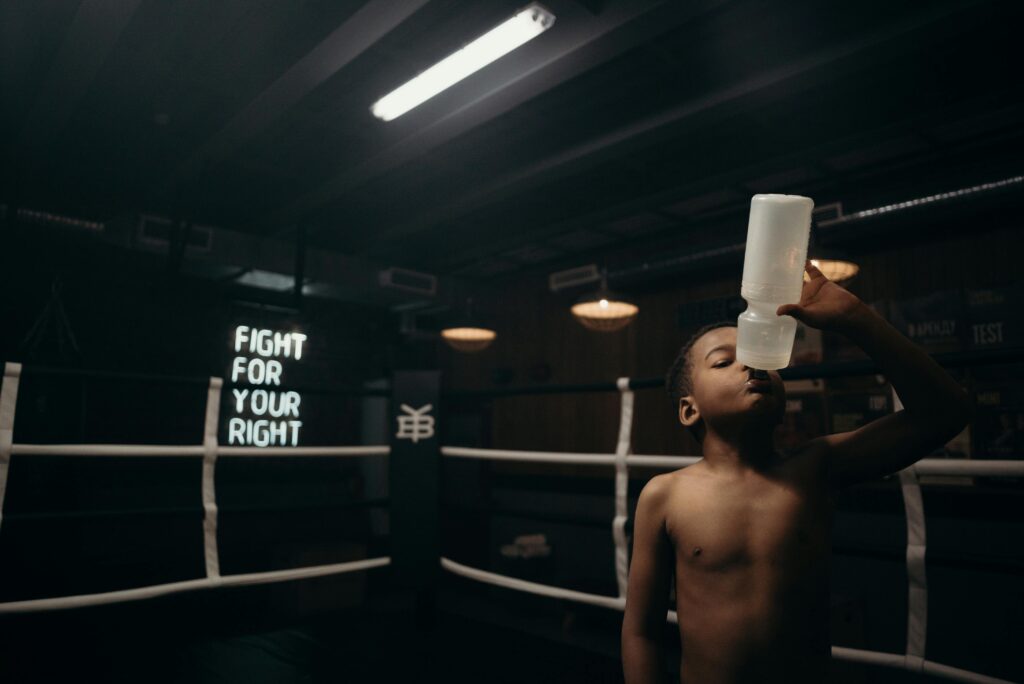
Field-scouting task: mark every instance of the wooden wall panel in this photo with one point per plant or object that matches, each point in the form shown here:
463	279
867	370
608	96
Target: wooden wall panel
537	330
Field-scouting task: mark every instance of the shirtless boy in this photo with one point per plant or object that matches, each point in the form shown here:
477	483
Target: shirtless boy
746	530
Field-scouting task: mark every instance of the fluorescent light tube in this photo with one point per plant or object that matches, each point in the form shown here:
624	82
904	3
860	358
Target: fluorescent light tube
527	24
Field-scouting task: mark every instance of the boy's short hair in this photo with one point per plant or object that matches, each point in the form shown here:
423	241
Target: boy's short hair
679	379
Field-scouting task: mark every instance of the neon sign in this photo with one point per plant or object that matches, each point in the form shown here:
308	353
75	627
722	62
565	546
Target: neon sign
264	417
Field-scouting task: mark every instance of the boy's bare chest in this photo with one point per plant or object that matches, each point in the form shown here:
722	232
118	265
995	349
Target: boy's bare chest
716	525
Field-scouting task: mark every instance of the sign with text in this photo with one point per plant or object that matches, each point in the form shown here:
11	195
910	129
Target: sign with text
260	415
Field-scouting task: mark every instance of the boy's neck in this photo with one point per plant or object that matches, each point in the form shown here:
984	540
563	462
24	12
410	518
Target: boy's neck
740	453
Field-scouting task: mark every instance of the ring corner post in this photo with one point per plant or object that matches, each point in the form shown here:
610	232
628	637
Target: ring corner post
414	484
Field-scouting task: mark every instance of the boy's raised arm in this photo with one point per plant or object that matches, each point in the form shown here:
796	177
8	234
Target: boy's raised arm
935	409
647	593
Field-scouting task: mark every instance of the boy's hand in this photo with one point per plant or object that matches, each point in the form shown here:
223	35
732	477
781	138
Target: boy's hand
823	304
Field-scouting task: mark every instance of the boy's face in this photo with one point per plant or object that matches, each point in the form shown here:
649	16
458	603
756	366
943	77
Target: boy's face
723	393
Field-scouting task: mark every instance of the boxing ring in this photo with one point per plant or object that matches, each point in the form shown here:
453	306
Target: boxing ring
913	659
209	451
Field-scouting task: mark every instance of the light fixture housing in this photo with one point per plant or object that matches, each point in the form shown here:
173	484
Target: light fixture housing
468	332
604	311
468	339
525	25
833	264
837	270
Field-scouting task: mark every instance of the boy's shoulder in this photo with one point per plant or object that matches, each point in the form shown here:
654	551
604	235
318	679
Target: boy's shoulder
662	487
659	490
658	487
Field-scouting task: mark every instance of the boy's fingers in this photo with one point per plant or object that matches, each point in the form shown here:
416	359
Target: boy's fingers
812	270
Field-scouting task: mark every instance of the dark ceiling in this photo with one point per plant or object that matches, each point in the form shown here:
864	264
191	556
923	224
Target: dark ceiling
621	132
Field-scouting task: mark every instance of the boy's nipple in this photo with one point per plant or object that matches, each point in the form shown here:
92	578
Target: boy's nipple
697	550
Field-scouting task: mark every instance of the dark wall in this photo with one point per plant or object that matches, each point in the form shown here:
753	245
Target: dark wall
133	310
539	342
92	524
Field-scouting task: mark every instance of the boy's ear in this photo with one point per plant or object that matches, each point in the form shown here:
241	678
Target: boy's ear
689	413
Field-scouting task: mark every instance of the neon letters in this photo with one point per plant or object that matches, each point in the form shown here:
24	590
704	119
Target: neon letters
264	417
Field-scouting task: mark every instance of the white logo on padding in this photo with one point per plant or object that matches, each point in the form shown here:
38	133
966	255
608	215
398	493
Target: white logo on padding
416	424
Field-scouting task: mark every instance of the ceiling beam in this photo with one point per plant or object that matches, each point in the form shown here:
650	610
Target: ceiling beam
93	33
580	46
810	158
349	40
650	129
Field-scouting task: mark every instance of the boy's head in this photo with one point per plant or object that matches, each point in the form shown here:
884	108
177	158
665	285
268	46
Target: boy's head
709	388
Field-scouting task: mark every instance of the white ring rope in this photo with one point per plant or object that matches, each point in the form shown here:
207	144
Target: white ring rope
622	450
913	660
185	450
140	593
209	489
210	451
8	402
305	451
958	675
917	577
667	462
926	466
853	655
616	602
573	457
977	468
899	662
529	456
917	617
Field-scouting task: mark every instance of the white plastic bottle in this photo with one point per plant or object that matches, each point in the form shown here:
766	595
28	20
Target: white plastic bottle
773	269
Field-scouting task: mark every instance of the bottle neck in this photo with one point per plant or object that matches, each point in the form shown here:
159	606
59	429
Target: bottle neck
761	310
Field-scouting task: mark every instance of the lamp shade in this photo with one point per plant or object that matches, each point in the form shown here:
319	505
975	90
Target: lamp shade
468	339
834	267
604	311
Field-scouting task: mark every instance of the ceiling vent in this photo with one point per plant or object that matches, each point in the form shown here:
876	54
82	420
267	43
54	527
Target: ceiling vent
408	281
573	277
155	232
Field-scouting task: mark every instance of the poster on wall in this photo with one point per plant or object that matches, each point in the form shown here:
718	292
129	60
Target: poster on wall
955	320
805	416
994	318
999	421
975	320
854	407
935	322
